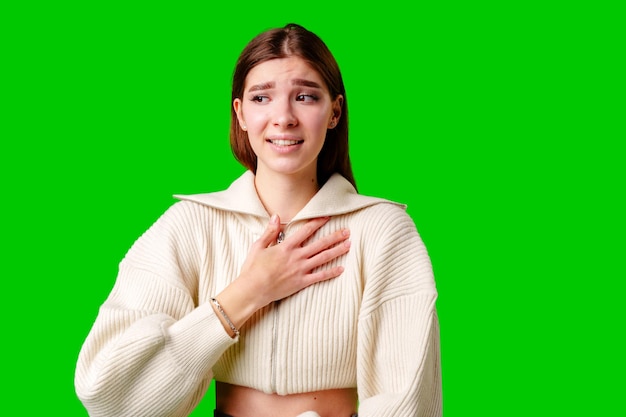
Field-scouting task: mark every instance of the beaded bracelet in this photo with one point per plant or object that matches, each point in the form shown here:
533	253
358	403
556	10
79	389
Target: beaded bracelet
223	313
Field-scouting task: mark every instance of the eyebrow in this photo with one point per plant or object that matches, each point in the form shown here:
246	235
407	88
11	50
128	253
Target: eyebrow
262	86
297	81
305	83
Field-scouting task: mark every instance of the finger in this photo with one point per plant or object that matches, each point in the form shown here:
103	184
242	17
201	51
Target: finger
271	232
324	275
308	414
307	231
329	254
325	242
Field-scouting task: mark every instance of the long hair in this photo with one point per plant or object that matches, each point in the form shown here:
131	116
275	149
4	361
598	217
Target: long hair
289	41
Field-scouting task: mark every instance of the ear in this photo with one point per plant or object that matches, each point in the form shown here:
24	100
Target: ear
238	110
337	107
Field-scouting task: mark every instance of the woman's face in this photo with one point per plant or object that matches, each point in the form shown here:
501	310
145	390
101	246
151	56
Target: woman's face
286	109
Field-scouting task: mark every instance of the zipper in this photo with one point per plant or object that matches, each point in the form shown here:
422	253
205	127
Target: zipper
274	346
283	229
276	305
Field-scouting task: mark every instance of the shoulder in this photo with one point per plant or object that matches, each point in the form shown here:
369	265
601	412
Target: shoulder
388	234
183	220
387	208
185	212
239	197
386	216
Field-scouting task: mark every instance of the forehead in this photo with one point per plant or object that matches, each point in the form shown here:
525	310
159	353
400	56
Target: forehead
282	70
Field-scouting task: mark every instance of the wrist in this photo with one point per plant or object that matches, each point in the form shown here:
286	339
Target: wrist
238	303
225	319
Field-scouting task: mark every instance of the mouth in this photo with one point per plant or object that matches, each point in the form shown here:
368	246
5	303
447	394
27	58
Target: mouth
285	142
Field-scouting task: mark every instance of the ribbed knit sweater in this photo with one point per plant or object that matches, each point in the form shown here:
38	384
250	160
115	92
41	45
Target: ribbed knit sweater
157	343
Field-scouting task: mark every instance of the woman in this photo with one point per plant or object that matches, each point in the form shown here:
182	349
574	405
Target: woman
327	303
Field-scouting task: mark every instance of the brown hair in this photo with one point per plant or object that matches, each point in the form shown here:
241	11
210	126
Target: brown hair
294	40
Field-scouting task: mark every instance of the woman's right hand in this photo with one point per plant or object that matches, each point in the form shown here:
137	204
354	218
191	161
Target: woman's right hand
274	271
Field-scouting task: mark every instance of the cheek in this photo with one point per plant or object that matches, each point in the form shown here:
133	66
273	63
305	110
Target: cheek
321	123
315	117
255	119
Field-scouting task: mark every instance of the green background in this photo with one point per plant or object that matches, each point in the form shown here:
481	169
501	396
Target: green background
500	124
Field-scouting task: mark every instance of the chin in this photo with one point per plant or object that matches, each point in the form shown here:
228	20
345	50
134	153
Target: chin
290	170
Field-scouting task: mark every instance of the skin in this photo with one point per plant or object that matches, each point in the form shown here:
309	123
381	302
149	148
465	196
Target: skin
286	110
276	105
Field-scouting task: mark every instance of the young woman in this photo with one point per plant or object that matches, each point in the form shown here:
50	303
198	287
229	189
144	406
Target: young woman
296	294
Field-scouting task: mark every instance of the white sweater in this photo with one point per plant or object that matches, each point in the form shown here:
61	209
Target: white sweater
157	343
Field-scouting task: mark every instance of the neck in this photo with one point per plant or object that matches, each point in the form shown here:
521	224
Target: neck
285	195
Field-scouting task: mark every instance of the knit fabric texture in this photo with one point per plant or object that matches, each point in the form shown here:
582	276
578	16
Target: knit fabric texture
156	343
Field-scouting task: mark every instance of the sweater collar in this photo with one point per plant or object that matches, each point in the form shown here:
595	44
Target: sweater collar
337	196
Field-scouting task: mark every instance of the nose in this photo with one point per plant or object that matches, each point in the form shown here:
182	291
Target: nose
284	116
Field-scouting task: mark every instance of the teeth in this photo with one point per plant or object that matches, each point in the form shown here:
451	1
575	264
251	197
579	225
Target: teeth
281	142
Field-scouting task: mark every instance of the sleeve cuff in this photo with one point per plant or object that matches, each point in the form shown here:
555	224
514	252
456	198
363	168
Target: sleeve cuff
198	340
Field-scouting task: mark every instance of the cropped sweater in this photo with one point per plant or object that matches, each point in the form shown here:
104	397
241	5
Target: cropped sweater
156	343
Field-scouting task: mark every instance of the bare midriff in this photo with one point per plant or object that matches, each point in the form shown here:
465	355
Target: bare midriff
241	401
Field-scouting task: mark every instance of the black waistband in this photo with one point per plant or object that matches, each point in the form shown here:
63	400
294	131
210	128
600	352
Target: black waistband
217	413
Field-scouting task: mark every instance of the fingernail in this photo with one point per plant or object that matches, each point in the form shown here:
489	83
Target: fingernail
345	232
347	243
274	219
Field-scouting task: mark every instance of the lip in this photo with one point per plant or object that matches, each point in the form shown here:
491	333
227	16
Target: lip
284	137
284	143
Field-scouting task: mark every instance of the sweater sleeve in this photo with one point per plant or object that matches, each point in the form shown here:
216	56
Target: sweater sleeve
398	372
151	348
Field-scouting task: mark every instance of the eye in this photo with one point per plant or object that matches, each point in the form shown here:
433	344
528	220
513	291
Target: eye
260	99
307	98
